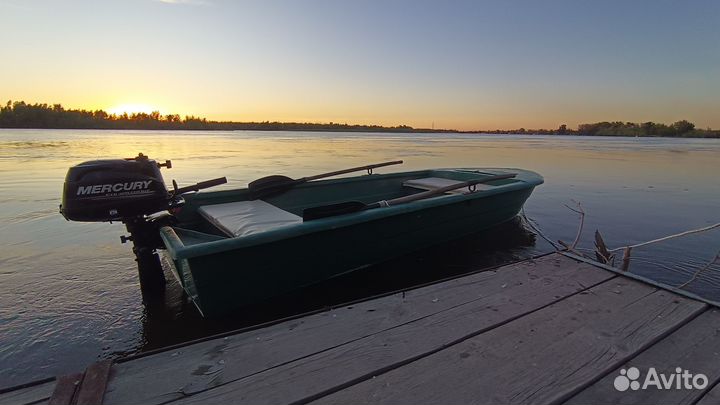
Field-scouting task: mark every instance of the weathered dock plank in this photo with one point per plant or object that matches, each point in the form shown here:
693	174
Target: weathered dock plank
544	357
29	395
65	390
497	299
179	373
94	382
712	397
695	347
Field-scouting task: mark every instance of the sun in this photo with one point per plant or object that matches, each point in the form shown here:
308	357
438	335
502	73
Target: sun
132	108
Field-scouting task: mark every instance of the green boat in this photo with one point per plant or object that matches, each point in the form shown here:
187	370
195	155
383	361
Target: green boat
230	249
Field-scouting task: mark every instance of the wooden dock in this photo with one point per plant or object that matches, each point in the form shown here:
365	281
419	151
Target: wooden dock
549	330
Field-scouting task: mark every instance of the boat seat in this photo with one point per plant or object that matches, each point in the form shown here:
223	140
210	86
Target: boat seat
433	183
243	218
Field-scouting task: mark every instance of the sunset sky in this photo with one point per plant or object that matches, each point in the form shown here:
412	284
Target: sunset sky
462	64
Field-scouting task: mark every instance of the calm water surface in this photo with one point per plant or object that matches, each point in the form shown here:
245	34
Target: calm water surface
69	292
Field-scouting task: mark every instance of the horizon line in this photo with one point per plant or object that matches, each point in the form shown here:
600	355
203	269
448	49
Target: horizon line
189	117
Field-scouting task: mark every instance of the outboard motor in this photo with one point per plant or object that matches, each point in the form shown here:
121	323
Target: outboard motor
113	190
131	191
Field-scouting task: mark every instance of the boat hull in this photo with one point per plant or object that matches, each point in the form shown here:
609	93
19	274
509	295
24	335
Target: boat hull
224	281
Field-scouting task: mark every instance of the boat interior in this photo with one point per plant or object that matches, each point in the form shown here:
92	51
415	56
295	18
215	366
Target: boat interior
233	214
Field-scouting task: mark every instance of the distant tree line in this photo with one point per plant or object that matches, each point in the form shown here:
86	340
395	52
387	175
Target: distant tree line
681	128
19	114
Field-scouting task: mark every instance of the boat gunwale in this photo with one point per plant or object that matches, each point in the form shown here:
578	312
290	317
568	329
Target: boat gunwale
178	250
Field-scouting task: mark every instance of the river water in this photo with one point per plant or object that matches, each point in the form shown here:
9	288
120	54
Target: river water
69	292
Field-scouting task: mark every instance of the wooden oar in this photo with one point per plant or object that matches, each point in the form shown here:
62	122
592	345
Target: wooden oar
276	184
349	207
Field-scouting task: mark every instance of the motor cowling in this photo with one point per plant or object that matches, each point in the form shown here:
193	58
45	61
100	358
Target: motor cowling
114	190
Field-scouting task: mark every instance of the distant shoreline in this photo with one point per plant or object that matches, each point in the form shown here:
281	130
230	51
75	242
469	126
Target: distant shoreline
20	115
414	131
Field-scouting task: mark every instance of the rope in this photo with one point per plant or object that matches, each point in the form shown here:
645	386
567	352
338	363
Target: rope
707	228
537	229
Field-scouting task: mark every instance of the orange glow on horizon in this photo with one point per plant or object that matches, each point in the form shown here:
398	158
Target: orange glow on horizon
132	108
